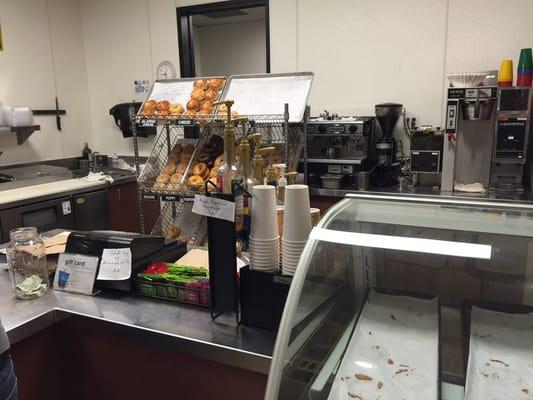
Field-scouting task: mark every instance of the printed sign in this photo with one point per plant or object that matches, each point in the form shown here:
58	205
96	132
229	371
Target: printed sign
75	273
142	86
214	208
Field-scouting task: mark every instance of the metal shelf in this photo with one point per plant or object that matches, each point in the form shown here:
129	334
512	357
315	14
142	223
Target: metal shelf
24	132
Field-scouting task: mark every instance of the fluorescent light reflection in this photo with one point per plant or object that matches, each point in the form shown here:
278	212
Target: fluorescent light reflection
363	364
418	245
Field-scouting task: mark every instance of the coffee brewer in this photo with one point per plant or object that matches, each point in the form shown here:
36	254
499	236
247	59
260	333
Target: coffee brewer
425	161
469	127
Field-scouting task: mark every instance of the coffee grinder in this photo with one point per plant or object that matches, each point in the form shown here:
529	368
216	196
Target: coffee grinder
387	170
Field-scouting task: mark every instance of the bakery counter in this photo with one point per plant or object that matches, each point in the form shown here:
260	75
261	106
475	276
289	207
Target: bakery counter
183	329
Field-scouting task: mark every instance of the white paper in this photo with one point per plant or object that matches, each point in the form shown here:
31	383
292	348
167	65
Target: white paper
268	95
174	92
396	345
500	360
115	265
213	207
75	273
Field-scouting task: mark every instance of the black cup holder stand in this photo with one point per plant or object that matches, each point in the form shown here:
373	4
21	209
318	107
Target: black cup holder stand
223	277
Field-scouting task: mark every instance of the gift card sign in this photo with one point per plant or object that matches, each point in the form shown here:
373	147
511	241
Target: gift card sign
75	273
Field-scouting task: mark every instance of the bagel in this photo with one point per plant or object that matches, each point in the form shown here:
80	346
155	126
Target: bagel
195	180
163	178
219	160
200	84
215	83
169	169
188	149
200	169
162	105
198	95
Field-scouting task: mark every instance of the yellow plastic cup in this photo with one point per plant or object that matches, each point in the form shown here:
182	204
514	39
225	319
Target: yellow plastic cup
505	75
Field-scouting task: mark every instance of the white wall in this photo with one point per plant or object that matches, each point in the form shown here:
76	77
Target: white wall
245	54
30	78
124	41
364	52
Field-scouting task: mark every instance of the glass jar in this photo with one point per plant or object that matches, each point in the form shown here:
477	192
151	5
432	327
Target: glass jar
26	255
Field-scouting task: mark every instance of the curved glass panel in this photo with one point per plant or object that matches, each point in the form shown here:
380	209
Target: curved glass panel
384	301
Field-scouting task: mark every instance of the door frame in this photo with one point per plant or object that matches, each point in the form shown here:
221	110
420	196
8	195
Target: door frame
185	37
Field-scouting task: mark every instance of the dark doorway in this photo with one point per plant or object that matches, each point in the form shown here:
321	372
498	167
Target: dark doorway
225	38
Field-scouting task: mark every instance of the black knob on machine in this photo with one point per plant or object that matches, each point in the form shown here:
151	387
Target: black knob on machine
322	129
352	128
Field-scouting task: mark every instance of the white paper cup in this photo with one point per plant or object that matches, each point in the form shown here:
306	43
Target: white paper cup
315	216
296	218
261	241
293	245
264	265
264	222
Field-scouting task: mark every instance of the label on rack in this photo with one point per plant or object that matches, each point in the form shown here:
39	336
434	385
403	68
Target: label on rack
214	208
149	196
169	197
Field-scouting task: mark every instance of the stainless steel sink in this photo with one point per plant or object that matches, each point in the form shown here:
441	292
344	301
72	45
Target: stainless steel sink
18	177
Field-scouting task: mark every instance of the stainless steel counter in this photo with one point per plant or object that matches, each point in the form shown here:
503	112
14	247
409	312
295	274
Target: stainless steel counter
183	328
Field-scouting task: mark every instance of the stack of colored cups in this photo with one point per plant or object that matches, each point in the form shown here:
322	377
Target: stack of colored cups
505	75
525	68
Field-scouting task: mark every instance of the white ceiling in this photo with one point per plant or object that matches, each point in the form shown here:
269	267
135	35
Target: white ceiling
252	14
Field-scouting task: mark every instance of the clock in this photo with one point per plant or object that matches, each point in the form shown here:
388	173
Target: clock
166	70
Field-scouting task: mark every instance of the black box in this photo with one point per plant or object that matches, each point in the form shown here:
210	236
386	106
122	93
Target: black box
262	297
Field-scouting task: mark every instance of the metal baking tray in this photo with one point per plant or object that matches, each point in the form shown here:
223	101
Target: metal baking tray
267	94
401	372
497	357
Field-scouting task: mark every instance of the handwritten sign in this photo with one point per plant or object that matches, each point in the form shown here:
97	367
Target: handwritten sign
214	208
75	273
115	265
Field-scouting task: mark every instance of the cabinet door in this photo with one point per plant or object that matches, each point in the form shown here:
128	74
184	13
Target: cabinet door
91	210
123	207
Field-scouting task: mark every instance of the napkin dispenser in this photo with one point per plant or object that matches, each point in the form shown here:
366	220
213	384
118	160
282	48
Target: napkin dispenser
145	249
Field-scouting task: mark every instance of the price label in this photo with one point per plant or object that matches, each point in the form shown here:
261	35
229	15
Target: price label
149	196
214	208
169	197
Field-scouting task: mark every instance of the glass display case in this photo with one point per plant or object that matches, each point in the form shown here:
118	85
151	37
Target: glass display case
400	297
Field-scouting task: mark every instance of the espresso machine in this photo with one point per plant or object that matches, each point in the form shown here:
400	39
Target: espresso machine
467	154
511	164
338	150
387	170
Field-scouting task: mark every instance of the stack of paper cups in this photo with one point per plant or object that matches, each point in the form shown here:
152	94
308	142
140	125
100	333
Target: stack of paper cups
296	226
264	237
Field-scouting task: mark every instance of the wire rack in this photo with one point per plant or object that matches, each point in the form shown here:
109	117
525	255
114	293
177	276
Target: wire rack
179	213
287	138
